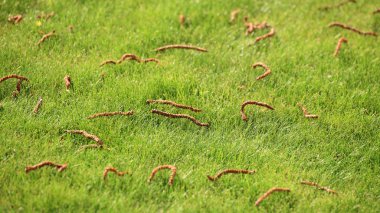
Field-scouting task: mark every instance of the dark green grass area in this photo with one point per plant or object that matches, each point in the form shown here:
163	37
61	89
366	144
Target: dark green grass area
340	150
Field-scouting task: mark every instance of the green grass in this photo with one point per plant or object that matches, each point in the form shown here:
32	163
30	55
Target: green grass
339	150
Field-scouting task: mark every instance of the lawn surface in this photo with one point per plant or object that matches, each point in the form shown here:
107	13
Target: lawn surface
340	150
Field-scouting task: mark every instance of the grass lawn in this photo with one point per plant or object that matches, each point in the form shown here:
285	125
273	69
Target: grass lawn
340	149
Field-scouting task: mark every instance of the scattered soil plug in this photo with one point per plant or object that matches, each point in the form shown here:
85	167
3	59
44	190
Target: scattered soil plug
114	170
59	167
346	27
319	187
15	19
48	16
339	45
129	56
230	171
244	116
46	36
265	36
172	103
99	142
151	60
67	80
269	193
18	85
170	115
45	16
70	28
180	46
251	27
86	135
171	178
267	70
107	62
182	20
337	5
38	106
13	76
18	88
306	113
234	15
104	114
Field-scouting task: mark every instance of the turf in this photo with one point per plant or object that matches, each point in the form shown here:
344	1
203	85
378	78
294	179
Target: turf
339	150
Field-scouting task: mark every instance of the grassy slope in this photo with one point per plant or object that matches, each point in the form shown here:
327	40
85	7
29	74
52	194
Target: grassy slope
341	149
